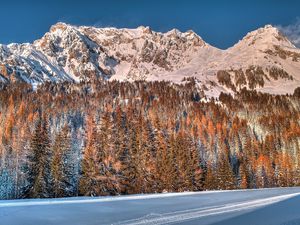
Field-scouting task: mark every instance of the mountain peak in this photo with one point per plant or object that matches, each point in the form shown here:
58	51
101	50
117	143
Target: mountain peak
59	26
145	30
264	38
269	27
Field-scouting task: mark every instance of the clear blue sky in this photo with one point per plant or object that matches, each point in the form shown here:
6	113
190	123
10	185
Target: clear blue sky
220	23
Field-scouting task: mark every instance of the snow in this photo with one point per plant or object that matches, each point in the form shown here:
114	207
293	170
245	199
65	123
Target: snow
61	55
227	207
181	216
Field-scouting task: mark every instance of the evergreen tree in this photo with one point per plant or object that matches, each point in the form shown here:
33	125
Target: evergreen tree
147	157
198	176
172	174
89	181
184	161
161	161
62	167
244	177
132	168
39	161
224	173
106	155
6	184
210	182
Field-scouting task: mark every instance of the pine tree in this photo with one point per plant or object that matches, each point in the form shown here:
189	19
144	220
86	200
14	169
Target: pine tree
39	178
10	120
172	173
20	146
120	142
244	178
285	173
130	177
6	184
210	182
184	161
147	158
132	168
62	167
161	160
198	176
262	178
225	176
89	181
106	155
129	173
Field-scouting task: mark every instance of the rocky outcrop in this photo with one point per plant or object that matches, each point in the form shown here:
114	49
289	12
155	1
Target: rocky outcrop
284	54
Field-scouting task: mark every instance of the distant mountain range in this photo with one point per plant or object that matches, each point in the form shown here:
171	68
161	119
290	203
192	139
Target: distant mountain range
264	59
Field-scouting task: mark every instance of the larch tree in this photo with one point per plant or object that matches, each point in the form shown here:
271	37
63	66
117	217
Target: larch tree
89	181
184	161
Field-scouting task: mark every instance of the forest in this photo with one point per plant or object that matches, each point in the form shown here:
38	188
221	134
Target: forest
100	137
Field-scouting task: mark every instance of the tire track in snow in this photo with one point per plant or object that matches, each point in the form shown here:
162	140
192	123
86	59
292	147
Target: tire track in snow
180	216
88	200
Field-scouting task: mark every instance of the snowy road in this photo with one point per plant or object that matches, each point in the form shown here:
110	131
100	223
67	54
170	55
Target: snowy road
254	207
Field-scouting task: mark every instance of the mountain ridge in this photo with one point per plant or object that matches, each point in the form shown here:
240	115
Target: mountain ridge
262	60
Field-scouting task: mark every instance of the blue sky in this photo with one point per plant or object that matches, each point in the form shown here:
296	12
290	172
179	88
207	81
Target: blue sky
220	23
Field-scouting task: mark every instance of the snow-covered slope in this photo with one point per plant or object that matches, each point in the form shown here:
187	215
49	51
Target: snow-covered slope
273	206
268	57
264	59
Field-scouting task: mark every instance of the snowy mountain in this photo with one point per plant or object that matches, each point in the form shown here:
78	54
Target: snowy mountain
264	59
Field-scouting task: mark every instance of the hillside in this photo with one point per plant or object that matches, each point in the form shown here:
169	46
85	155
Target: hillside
102	137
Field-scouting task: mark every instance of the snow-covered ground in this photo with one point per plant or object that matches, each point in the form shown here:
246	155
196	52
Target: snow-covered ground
276	206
